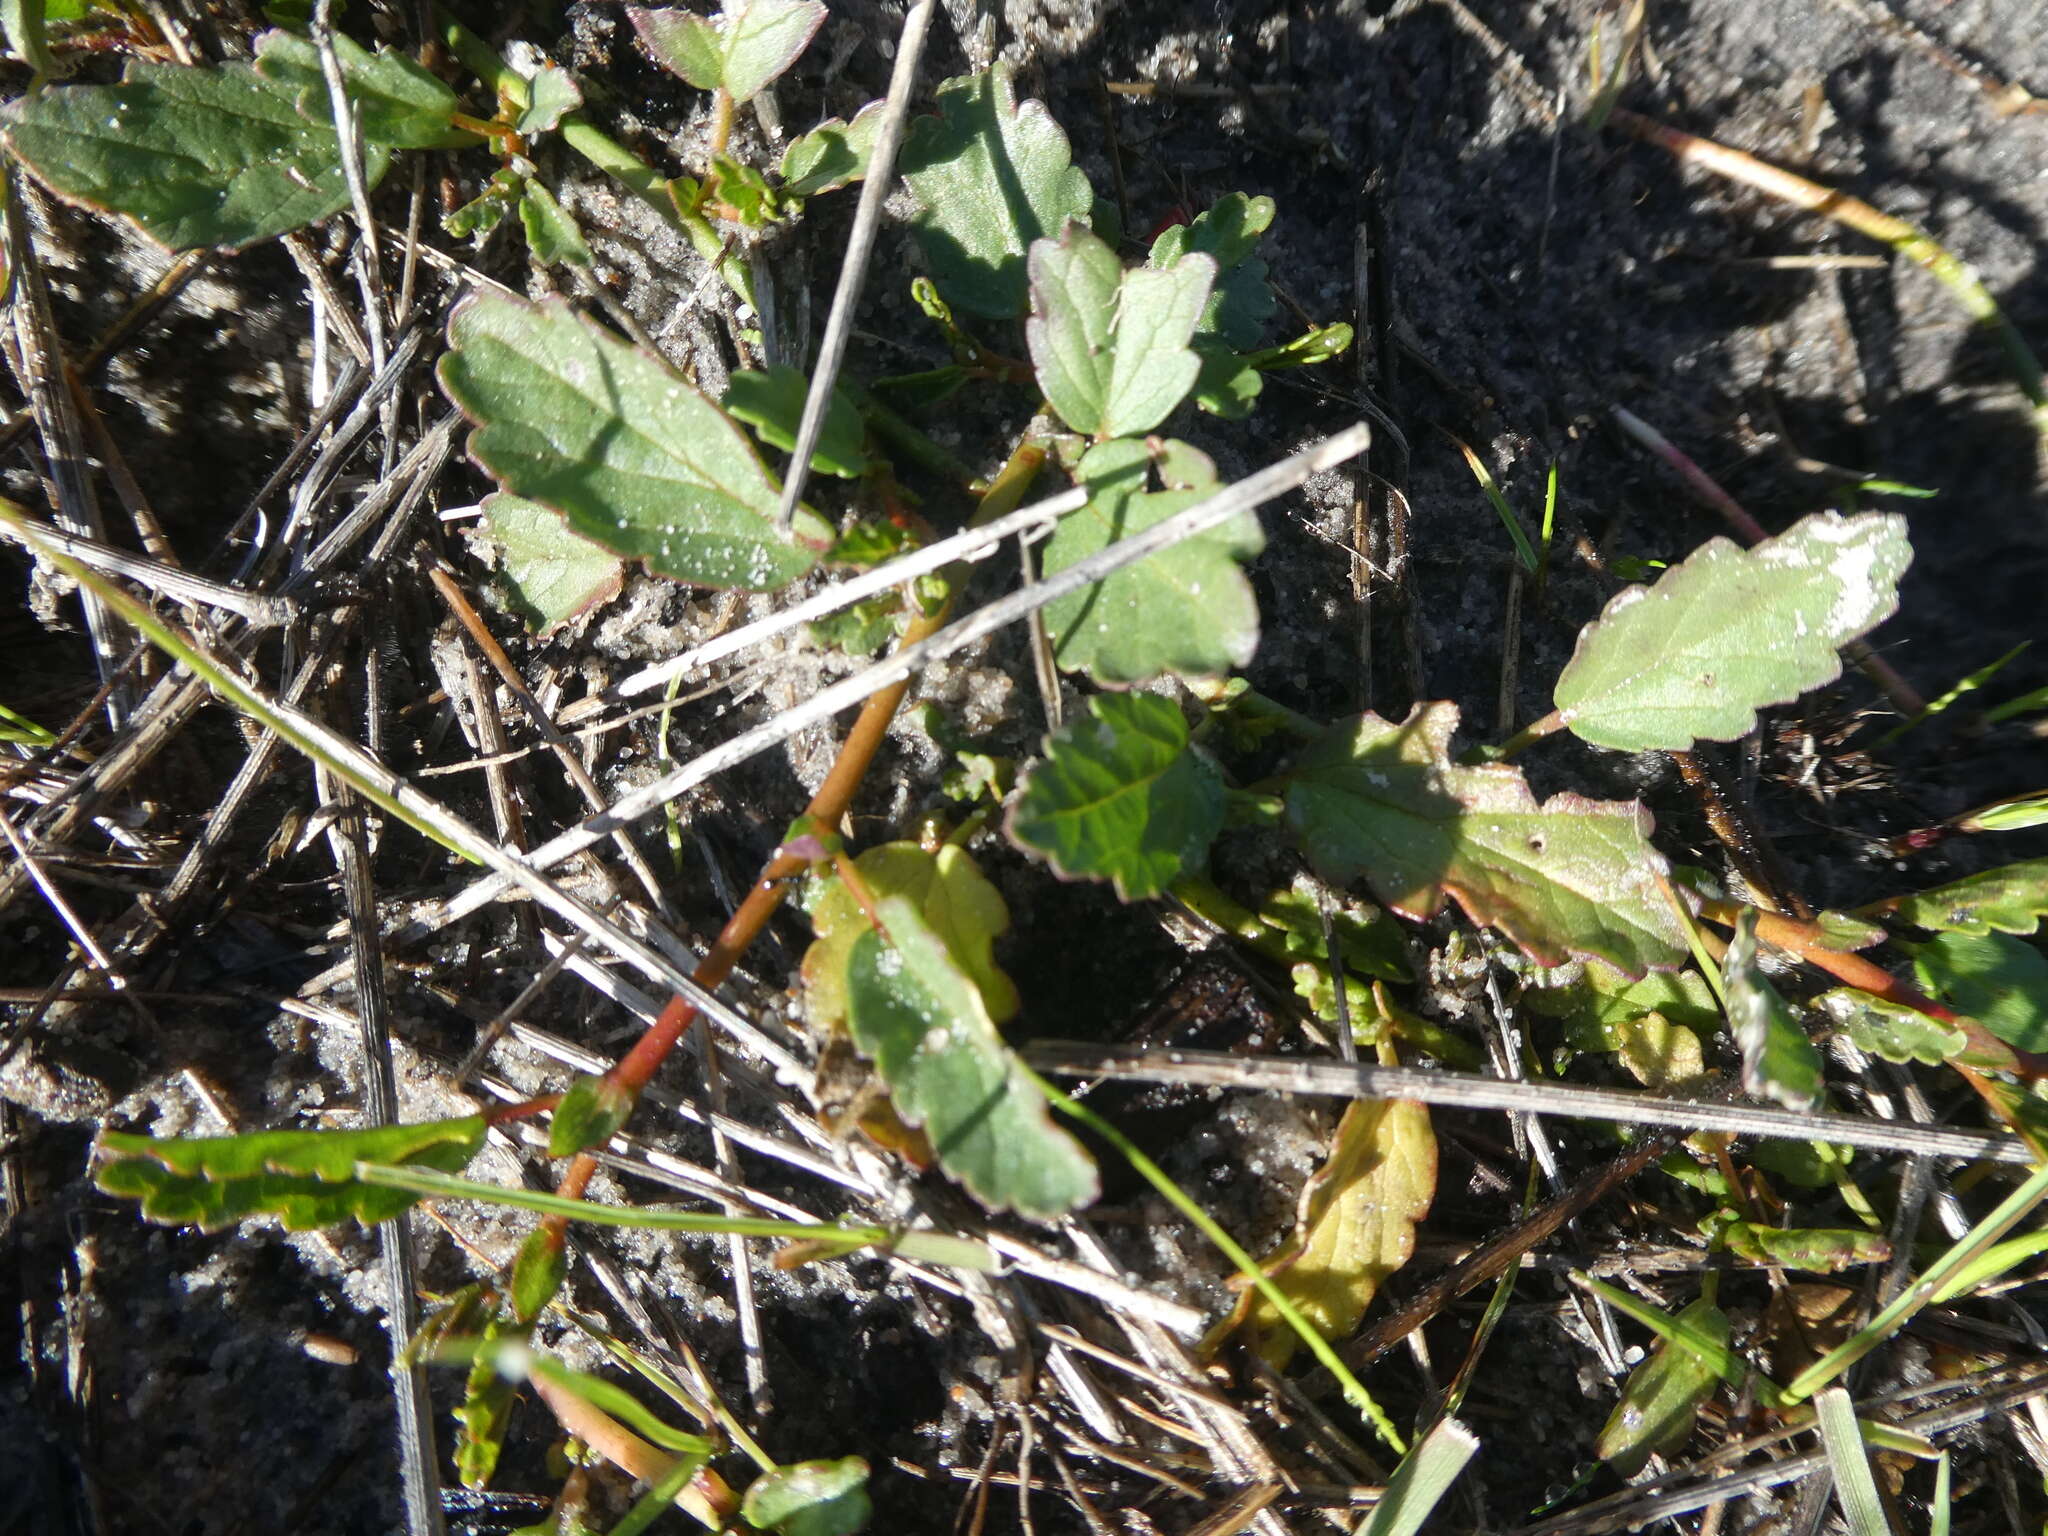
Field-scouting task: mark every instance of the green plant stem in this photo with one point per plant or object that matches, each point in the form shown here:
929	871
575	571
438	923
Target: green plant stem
1527	736
1231	1249
604	152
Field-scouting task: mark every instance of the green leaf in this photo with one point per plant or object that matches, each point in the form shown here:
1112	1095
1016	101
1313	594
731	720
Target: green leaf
1661	1402
1111	347
2009	899
991	177
486	211
2013	815
1821	1250
1729	631
538	1273
771	401
917	1014
810	1498
554	575
1229	384
1778	1061
589	1115
1188	610
195	157
1385	803
1240	302
738	192
572	417
1120	797
1597	1002
954	897
485	1411
551	234
305	1177
745	49
397	103
1997	980
551	95
832	155
1891	1030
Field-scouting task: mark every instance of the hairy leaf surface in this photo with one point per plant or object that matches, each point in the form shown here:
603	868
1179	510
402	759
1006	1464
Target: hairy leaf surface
917	1014
1730	631
1385	803
1120	797
1778	1060
2010	899
1111	347
992	176
1189	610
570	416
553	572
305	1177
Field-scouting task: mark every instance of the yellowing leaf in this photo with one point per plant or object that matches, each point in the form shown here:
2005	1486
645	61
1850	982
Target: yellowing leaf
1357	1223
1660	1054
953	897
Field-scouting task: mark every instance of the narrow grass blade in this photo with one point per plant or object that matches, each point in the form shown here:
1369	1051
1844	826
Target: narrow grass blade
1854	1484
1420	1482
927	1247
1523	551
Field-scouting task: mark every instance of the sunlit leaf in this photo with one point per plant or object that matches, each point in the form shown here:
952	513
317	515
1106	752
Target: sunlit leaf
1998	980
1661	1402
590	1114
22	24
743	50
1821	1250
1188	610
551	234
305	1177
916	1013
1730	631
2010	899
1119	796
1386	803
991	176
832	155
1778	1060
195	157
1597	1001
771	401
397	103
485	1411
810	1498
551	95
1891	1030
1660	1054
952	895
1111	347
1357	1224
552	574
538	1273
2011	815
572	417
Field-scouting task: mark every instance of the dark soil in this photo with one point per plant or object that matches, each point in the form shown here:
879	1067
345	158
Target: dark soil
1513	275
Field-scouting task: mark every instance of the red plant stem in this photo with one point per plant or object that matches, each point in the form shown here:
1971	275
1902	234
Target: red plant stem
828	807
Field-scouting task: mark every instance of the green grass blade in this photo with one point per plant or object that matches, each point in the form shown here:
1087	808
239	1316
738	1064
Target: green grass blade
1854	1484
1420	1482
